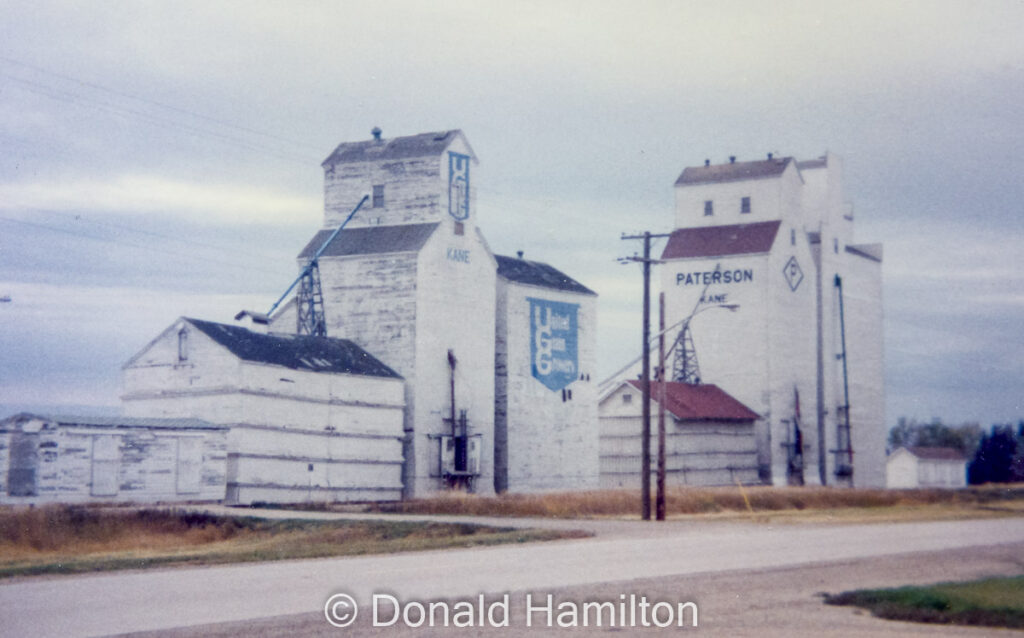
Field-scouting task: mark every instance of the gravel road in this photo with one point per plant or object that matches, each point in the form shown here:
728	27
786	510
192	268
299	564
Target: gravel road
735	572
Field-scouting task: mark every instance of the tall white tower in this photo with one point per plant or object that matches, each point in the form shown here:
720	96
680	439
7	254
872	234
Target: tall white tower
772	240
411	280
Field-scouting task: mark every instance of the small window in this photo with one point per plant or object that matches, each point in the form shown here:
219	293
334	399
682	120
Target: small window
835	245
745	205
709	208
378	195
183	345
792	237
627	398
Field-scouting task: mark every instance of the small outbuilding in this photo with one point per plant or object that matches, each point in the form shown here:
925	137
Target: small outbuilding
71	459
310	418
914	467
709	438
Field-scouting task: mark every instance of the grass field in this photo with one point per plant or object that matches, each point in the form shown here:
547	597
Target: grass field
66	539
69	539
993	602
758	500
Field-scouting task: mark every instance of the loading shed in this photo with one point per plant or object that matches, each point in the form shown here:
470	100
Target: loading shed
709	435
68	459
311	418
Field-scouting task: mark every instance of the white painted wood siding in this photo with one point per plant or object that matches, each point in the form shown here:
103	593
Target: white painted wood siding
348	427
548	441
700	453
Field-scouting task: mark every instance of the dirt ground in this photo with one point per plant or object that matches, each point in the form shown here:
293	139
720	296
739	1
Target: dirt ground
740	603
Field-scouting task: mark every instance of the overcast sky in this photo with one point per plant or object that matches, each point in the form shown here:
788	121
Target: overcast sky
163	159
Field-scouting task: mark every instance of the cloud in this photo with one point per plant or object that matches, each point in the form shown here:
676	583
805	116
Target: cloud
66	344
142	194
583	118
953	298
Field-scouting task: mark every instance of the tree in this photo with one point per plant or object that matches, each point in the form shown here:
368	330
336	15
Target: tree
999	459
902	434
910	433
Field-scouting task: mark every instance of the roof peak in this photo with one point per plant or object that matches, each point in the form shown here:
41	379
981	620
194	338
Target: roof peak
936	453
704	401
306	352
371	240
538	273
400	147
733	171
720	241
120	421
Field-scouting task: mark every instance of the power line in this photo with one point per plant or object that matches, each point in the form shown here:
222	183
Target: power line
149	248
170	107
154	119
79	217
540	205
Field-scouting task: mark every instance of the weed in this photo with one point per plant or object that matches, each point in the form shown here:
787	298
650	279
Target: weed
69	539
693	500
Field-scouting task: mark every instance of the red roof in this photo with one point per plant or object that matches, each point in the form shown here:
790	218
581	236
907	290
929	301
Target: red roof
714	241
937	453
706	401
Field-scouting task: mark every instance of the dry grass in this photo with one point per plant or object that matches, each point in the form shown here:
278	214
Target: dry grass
717	500
68	539
83	530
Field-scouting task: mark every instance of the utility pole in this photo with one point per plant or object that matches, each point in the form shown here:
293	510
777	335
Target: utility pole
659	498
645	431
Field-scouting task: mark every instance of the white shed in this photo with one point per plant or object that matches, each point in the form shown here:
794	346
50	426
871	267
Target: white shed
73	459
311	418
914	467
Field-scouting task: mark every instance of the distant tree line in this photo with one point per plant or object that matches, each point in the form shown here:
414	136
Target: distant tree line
997	456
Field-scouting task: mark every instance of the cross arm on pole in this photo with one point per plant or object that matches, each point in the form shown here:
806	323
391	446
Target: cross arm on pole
645	434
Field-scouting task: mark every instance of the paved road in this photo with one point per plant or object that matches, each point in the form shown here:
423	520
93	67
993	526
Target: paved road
111	603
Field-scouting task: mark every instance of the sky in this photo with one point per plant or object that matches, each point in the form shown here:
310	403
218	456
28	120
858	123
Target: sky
162	159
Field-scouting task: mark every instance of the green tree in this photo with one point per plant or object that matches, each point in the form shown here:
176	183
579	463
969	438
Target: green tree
910	433
999	459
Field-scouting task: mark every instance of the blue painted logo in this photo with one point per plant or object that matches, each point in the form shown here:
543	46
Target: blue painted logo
554	357
793	274
458	185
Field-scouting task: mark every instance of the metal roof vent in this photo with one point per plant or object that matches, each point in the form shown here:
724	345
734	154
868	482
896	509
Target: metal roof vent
376	133
259	322
732	159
